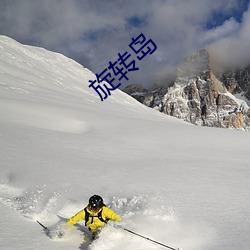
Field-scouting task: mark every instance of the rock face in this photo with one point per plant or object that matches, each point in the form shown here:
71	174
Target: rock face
137	91
201	97
237	81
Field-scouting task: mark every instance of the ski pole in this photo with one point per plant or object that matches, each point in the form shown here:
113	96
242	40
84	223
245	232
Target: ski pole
146	238
45	228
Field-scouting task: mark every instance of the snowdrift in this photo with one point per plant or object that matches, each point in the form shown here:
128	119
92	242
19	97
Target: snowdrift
182	185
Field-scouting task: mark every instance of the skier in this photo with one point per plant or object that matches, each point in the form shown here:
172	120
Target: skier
95	214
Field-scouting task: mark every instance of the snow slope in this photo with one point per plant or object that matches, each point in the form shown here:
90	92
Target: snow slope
176	183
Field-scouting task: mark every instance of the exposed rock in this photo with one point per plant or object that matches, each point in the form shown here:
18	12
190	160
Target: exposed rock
237	81
201	97
137	91
134	88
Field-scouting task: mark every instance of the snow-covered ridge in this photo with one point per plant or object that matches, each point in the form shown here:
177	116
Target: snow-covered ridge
41	76
35	66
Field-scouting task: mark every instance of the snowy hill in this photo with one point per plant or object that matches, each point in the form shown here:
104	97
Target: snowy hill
176	183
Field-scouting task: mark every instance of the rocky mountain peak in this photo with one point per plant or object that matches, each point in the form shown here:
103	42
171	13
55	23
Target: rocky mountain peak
202	97
196	64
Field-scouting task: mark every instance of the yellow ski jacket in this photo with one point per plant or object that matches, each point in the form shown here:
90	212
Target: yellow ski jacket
94	223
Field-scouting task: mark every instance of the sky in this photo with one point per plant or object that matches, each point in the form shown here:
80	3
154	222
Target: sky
93	32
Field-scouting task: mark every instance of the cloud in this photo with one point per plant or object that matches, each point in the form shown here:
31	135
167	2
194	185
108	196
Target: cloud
94	31
233	49
228	28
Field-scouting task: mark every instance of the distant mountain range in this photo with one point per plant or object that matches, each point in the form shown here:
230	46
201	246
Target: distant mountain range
201	94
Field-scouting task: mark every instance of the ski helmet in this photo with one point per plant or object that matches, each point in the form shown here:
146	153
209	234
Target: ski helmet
95	202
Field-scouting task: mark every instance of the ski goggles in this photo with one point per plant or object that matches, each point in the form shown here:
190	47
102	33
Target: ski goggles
94	208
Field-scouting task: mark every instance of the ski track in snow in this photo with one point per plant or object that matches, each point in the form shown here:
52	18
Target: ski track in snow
144	214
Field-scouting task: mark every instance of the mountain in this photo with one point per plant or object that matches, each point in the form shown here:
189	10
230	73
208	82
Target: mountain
182	185
201	96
